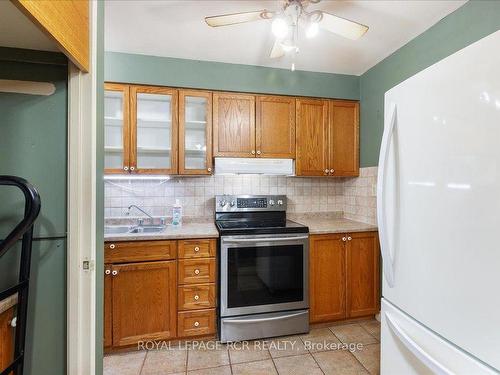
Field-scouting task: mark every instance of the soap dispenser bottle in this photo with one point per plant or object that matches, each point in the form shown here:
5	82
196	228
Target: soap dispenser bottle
177	214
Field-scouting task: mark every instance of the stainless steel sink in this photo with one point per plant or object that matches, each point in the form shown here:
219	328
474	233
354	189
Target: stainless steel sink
148	229
116	229
124	229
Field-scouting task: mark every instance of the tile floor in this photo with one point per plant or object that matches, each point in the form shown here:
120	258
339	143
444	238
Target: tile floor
328	350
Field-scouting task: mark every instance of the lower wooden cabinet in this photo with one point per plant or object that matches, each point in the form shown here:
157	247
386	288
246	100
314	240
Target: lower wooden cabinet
150	295
144	299
344	276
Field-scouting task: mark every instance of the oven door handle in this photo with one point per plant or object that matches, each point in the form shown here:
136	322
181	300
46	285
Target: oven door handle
269	239
260	320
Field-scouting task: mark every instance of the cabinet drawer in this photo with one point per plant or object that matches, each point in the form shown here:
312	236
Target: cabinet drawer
196	248
195	297
196	323
139	251
196	271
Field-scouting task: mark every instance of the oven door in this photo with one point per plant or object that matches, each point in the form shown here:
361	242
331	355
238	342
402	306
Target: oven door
264	273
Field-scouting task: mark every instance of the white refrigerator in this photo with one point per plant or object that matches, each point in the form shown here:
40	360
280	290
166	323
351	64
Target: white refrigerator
438	201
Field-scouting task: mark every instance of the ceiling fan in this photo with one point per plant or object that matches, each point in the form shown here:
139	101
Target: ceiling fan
285	24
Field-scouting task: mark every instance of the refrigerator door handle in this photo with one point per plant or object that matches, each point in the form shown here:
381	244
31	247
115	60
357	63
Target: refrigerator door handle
388	263
417	350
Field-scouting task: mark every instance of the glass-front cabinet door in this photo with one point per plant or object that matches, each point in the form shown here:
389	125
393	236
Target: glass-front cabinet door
116	128
195	132
154	136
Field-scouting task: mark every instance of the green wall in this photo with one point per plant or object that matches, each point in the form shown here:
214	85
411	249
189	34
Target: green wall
469	23
166	71
34	146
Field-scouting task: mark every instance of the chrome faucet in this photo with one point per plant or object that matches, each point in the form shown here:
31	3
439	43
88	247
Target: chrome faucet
141	210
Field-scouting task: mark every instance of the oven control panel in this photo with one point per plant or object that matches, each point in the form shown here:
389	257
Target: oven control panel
242	203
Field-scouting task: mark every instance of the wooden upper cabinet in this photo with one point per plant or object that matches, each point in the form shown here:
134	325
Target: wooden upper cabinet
344	138
312	137
65	22
327	281
275	127
154	134
195	132
144	302
116	128
363	274
234	125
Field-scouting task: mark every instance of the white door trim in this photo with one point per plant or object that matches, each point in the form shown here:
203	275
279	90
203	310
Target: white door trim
81	290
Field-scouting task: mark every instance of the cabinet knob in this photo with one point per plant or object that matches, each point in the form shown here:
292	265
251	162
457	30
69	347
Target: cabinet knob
196	248
197	271
132	168
125	168
344	239
253	152
112	246
326	171
196	324
107	272
114	273
332	170
258	152
209	169
349	238
196	297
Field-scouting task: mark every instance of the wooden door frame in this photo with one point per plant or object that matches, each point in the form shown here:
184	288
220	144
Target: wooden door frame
182	132
135	89
82	212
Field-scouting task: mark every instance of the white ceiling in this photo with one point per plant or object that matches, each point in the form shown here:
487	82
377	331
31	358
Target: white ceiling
17	31
177	29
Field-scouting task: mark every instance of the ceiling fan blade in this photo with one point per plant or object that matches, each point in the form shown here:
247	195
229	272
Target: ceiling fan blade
342	26
277	51
235	18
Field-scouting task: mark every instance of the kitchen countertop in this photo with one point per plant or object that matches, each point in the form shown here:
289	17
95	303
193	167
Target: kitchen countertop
331	223
188	230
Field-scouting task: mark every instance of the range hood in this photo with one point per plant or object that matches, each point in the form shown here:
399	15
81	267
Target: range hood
280	167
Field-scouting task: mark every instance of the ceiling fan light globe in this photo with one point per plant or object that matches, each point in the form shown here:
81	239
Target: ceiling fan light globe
279	28
312	30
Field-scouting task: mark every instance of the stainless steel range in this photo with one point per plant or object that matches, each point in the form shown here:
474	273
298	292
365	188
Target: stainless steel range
263	265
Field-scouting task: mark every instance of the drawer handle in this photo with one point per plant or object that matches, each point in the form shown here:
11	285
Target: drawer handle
196	271
196	324
112	246
196	297
196	248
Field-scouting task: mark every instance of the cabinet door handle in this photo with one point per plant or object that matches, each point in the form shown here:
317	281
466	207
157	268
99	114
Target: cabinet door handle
344	239
197	271
107	272
209	169
258	152
114	273
332	170
132	168
125	169
326	171
196	297
253	152
349	238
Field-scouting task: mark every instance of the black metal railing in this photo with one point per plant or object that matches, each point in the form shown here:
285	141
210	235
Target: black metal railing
24	231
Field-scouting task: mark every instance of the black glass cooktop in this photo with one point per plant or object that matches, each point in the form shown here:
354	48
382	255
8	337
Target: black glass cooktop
234	227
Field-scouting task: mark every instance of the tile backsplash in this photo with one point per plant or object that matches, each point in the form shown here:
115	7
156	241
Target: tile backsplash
354	196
